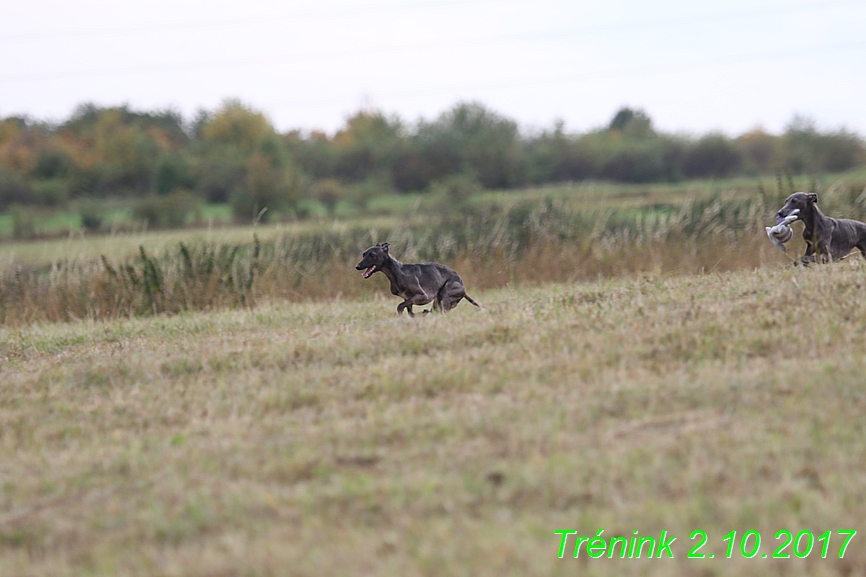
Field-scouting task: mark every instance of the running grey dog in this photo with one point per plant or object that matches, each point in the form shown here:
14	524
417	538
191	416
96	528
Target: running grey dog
417	284
827	239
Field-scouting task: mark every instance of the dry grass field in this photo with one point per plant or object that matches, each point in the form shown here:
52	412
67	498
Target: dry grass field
334	438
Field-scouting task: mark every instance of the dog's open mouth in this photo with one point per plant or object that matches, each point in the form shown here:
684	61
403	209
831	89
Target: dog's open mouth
370	270
794	213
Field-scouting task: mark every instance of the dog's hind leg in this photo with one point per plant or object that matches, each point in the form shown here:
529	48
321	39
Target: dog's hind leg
451	294
444	300
440	303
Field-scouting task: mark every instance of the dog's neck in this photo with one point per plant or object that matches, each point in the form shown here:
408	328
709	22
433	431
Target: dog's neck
811	218
391	267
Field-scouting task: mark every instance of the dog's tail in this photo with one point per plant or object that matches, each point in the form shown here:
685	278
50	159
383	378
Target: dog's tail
467	297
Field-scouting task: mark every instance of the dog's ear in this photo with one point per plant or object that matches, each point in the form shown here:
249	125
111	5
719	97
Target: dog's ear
812	197
384	246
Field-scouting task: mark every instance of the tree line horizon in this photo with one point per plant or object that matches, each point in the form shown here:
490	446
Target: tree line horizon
234	155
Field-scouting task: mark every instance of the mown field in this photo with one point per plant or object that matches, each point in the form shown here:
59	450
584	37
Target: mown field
333	438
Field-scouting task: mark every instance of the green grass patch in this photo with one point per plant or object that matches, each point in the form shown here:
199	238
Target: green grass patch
217	213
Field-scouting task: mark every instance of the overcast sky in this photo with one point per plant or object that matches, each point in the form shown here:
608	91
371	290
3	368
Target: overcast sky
692	66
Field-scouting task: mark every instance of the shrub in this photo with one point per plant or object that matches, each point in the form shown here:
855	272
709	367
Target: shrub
236	124
362	192
635	123
329	192
266	186
167	211
634	161
54	192
173	172
15	190
220	174
760	151
841	150
52	163
455	190
92	214
23	221
713	155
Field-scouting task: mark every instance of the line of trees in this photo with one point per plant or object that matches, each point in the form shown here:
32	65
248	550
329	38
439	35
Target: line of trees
234	154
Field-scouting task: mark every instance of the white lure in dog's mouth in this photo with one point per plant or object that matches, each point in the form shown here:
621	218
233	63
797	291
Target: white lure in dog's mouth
370	270
782	232
785	235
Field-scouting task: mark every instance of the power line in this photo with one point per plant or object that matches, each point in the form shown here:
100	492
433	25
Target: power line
374	11
620	73
349	12
307	56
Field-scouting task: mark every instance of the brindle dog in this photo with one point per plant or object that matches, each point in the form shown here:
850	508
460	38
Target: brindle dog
827	239
417	284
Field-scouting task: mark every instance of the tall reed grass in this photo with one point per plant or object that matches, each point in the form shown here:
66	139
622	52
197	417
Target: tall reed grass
491	246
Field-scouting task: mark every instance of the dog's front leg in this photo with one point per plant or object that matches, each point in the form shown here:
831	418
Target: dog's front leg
407	305
809	256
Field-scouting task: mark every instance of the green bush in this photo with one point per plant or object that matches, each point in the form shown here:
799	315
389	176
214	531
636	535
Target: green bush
92	214
713	155
23	221
455	190
14	189
220	174
167	211
172	173
328	191
266	186
363	192
53	193
52	163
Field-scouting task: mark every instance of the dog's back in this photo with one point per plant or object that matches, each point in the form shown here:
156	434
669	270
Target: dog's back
849	234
